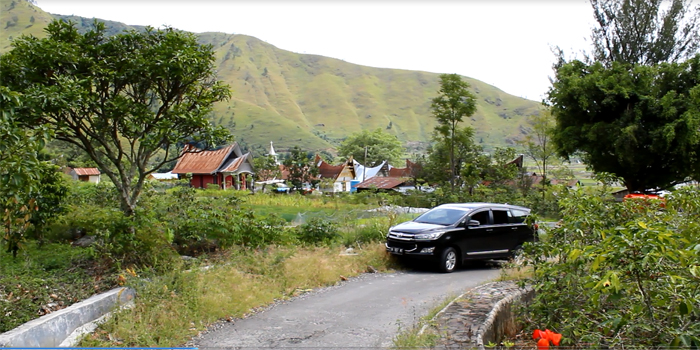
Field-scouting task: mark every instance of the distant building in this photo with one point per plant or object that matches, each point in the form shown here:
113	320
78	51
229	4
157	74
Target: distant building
86	174
226	167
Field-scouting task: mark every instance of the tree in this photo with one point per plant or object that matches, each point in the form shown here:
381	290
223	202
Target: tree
19	164
121	99
380	146
645	31
465	159
538	142
638	122
266	168
453	104
500	170
301	169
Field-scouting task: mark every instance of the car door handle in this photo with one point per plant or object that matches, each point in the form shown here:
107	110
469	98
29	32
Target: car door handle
489	229
514	228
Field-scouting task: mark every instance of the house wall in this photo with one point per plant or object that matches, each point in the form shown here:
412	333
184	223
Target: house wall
94	179
201	180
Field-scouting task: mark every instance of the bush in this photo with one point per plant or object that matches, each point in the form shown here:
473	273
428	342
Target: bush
317	231
620	274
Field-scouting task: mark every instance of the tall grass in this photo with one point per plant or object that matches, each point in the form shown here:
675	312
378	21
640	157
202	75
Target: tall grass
175	307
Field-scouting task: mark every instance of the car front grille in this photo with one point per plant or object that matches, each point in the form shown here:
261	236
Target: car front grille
403	245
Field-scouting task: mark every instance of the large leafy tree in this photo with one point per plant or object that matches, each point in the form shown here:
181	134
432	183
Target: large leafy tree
638	122
450	107
645	31
379	146
121	99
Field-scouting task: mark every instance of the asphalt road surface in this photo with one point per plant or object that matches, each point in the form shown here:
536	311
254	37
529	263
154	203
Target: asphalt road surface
364	312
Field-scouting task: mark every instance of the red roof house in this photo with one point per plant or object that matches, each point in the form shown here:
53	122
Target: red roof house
86	174
226	167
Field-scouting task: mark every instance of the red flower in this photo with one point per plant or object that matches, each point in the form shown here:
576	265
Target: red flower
545	337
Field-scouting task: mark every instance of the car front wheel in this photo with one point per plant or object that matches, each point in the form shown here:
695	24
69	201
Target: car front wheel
448	260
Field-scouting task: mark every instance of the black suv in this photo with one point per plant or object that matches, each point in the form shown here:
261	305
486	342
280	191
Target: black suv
453	233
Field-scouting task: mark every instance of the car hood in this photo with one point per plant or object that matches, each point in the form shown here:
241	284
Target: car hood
416	227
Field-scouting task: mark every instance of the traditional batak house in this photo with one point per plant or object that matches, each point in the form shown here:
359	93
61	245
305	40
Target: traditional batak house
342	175
226	167
86	174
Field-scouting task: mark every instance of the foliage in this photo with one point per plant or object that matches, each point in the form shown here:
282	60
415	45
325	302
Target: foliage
638	122
645	31
620	274
460	153
450	107
317	231
266	168
19	170
121	99
538	142
377	145
50	195
301	169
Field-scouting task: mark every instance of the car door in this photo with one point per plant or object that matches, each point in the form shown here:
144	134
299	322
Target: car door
505	232
476	238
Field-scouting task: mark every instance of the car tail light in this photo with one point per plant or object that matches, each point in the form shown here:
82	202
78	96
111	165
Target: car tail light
537	227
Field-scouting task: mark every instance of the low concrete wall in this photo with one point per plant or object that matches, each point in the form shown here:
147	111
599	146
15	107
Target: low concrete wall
52	329
500	322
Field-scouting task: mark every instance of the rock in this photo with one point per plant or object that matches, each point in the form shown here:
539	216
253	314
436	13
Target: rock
84	241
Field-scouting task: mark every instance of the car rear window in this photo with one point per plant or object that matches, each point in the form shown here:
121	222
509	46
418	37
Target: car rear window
517	216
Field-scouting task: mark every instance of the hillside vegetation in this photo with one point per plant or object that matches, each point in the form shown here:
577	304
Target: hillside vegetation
314	101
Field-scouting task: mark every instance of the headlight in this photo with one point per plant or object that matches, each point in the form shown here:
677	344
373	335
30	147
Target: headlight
429	236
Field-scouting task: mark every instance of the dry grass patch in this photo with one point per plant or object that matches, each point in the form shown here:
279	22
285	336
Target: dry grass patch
172	309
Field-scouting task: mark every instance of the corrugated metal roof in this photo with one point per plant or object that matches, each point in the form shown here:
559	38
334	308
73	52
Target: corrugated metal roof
203	162
384	183
86	171
233	165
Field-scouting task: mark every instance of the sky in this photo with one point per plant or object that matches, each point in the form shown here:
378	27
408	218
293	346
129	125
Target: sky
505	43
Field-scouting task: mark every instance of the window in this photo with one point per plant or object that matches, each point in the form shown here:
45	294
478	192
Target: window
482	217
500	217
517	216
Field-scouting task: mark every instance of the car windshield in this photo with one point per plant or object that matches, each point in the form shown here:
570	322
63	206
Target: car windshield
441	216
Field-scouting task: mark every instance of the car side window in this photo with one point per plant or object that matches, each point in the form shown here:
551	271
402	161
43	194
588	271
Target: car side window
500	217
517	216
482	217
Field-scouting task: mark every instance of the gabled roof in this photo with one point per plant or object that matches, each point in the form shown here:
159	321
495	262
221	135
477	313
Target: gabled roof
202	162
235	163
86	171
384	183
327	171
410	170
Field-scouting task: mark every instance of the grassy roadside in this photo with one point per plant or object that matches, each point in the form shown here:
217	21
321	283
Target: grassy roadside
177	306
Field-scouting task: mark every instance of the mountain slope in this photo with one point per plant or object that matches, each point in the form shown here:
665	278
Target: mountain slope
315	102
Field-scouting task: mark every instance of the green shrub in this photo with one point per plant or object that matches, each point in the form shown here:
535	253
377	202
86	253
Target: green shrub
620	274
317	231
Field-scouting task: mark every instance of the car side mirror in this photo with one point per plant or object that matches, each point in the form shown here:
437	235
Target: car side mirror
472	223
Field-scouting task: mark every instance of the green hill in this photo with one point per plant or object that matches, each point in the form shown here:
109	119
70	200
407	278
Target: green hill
314	101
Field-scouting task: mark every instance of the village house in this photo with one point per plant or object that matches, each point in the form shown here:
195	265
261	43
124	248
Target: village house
86	174
342	175
226	167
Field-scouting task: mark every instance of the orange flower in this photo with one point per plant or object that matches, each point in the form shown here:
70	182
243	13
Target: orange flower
545	337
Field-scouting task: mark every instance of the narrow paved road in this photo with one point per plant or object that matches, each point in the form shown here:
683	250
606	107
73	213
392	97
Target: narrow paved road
366	311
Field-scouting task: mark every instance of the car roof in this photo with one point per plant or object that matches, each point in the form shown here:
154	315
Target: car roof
477	205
